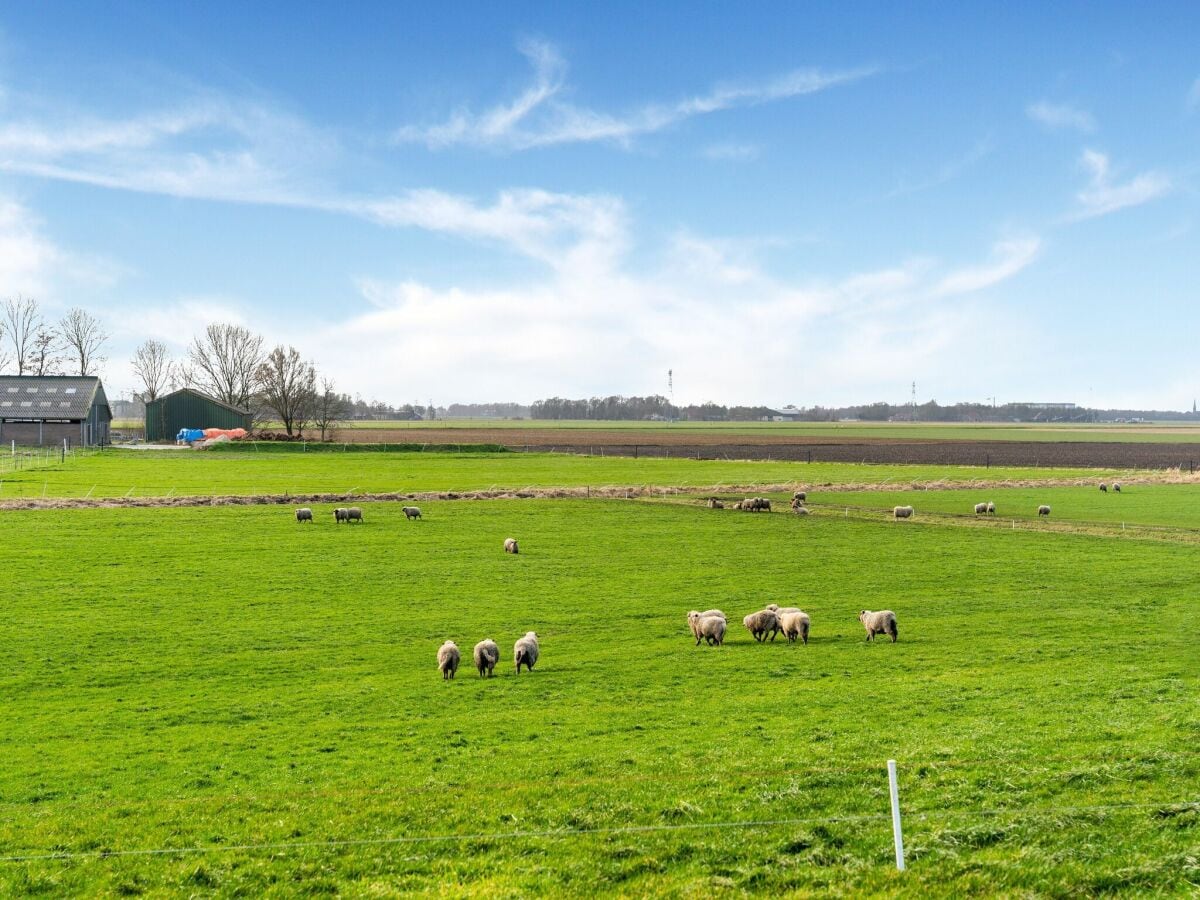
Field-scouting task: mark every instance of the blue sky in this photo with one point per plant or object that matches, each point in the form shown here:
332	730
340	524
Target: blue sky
782	203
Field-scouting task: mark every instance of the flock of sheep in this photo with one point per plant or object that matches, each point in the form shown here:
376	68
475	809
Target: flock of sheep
487	654
710	626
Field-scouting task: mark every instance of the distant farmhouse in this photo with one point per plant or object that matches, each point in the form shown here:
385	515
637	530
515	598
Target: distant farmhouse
787	414
39	410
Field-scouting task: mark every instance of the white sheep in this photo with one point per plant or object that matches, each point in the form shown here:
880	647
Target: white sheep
980	509
800	495
882	622
800	510
525	651
448	657
1043	510
991	508
706	627
411	512
760	623
795	624
304	514
1117	486
487	654
1103	488
510	545
903	512
714	503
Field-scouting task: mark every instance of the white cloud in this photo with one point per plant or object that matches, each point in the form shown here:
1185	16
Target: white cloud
1061	116
539	117
33	265
1102	196
731	151
1009	257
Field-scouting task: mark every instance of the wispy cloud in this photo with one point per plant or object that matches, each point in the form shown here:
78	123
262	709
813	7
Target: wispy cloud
1061	116
731	151
1009	257
1102	196
540	117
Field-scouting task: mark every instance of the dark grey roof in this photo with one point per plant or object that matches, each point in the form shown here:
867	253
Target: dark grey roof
208	397
48	397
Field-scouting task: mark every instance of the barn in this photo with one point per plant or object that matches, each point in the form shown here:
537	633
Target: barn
40	410
189	408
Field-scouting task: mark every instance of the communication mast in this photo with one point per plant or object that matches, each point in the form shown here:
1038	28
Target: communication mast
913	403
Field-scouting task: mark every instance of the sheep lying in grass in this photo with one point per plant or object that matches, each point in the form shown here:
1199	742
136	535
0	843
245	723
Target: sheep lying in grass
510	545
304	514
903	512
708	626
411	512
487	654
761	623
714	503
882	622
448	657
354	514
525	651
341	515
1043	510
991	508
800	510
980	509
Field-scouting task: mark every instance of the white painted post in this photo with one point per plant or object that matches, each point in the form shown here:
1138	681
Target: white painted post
896	835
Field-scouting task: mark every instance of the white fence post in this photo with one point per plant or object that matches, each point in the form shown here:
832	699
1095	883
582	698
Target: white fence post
896	834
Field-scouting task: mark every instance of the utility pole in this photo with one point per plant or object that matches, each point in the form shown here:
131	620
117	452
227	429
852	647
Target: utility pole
913	404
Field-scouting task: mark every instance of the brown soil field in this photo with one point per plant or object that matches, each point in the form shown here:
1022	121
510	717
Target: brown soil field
1067	454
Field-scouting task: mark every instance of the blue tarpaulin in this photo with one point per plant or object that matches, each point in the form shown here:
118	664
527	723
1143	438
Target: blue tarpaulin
190	434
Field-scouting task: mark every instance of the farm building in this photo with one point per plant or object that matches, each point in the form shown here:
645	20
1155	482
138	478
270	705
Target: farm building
189	408
37	410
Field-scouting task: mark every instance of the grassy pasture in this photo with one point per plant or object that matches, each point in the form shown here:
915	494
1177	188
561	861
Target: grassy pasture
222	677
115	473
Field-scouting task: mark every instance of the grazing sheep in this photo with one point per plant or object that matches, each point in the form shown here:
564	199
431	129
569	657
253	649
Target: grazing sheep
1117	486
980	509
510	545
341	514
794	624
800	495
991	508
525	651
764	504
1043	510
756	504
706	627
411	512
1103	488
487	654
714	503
448	657
354	514
903	512
882	622
304	514
761	622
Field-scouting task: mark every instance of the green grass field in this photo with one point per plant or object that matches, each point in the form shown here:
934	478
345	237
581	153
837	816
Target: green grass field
115	473
263	695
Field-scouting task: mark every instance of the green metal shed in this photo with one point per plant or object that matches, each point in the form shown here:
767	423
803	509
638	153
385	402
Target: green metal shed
189	408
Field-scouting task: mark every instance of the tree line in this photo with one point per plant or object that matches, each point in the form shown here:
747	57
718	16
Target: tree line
30	345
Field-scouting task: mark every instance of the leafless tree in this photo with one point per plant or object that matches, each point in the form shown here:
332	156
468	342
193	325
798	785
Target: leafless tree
224	361
22	322
45	353
82	337
5	358
154	369
329	407
287	385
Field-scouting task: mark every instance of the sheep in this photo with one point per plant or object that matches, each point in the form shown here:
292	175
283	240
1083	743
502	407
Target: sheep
411	512
1043	510
903	512
304	514
341	514
354	514
510	545
1103	488
800	495
448	657
714	503
761	622
755	504
800	511
882	622
794	623
991	508
707	627
764	504
980	509
487	654
797	503
1117	486
525	651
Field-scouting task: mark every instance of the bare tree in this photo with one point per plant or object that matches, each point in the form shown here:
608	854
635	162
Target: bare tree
154	369
82	337
5	358
45	353
329	407
22	322
287	384
224	362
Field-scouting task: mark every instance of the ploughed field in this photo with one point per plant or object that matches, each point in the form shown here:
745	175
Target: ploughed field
258	700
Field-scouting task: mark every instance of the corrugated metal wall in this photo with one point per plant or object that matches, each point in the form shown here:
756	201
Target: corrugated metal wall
184	409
